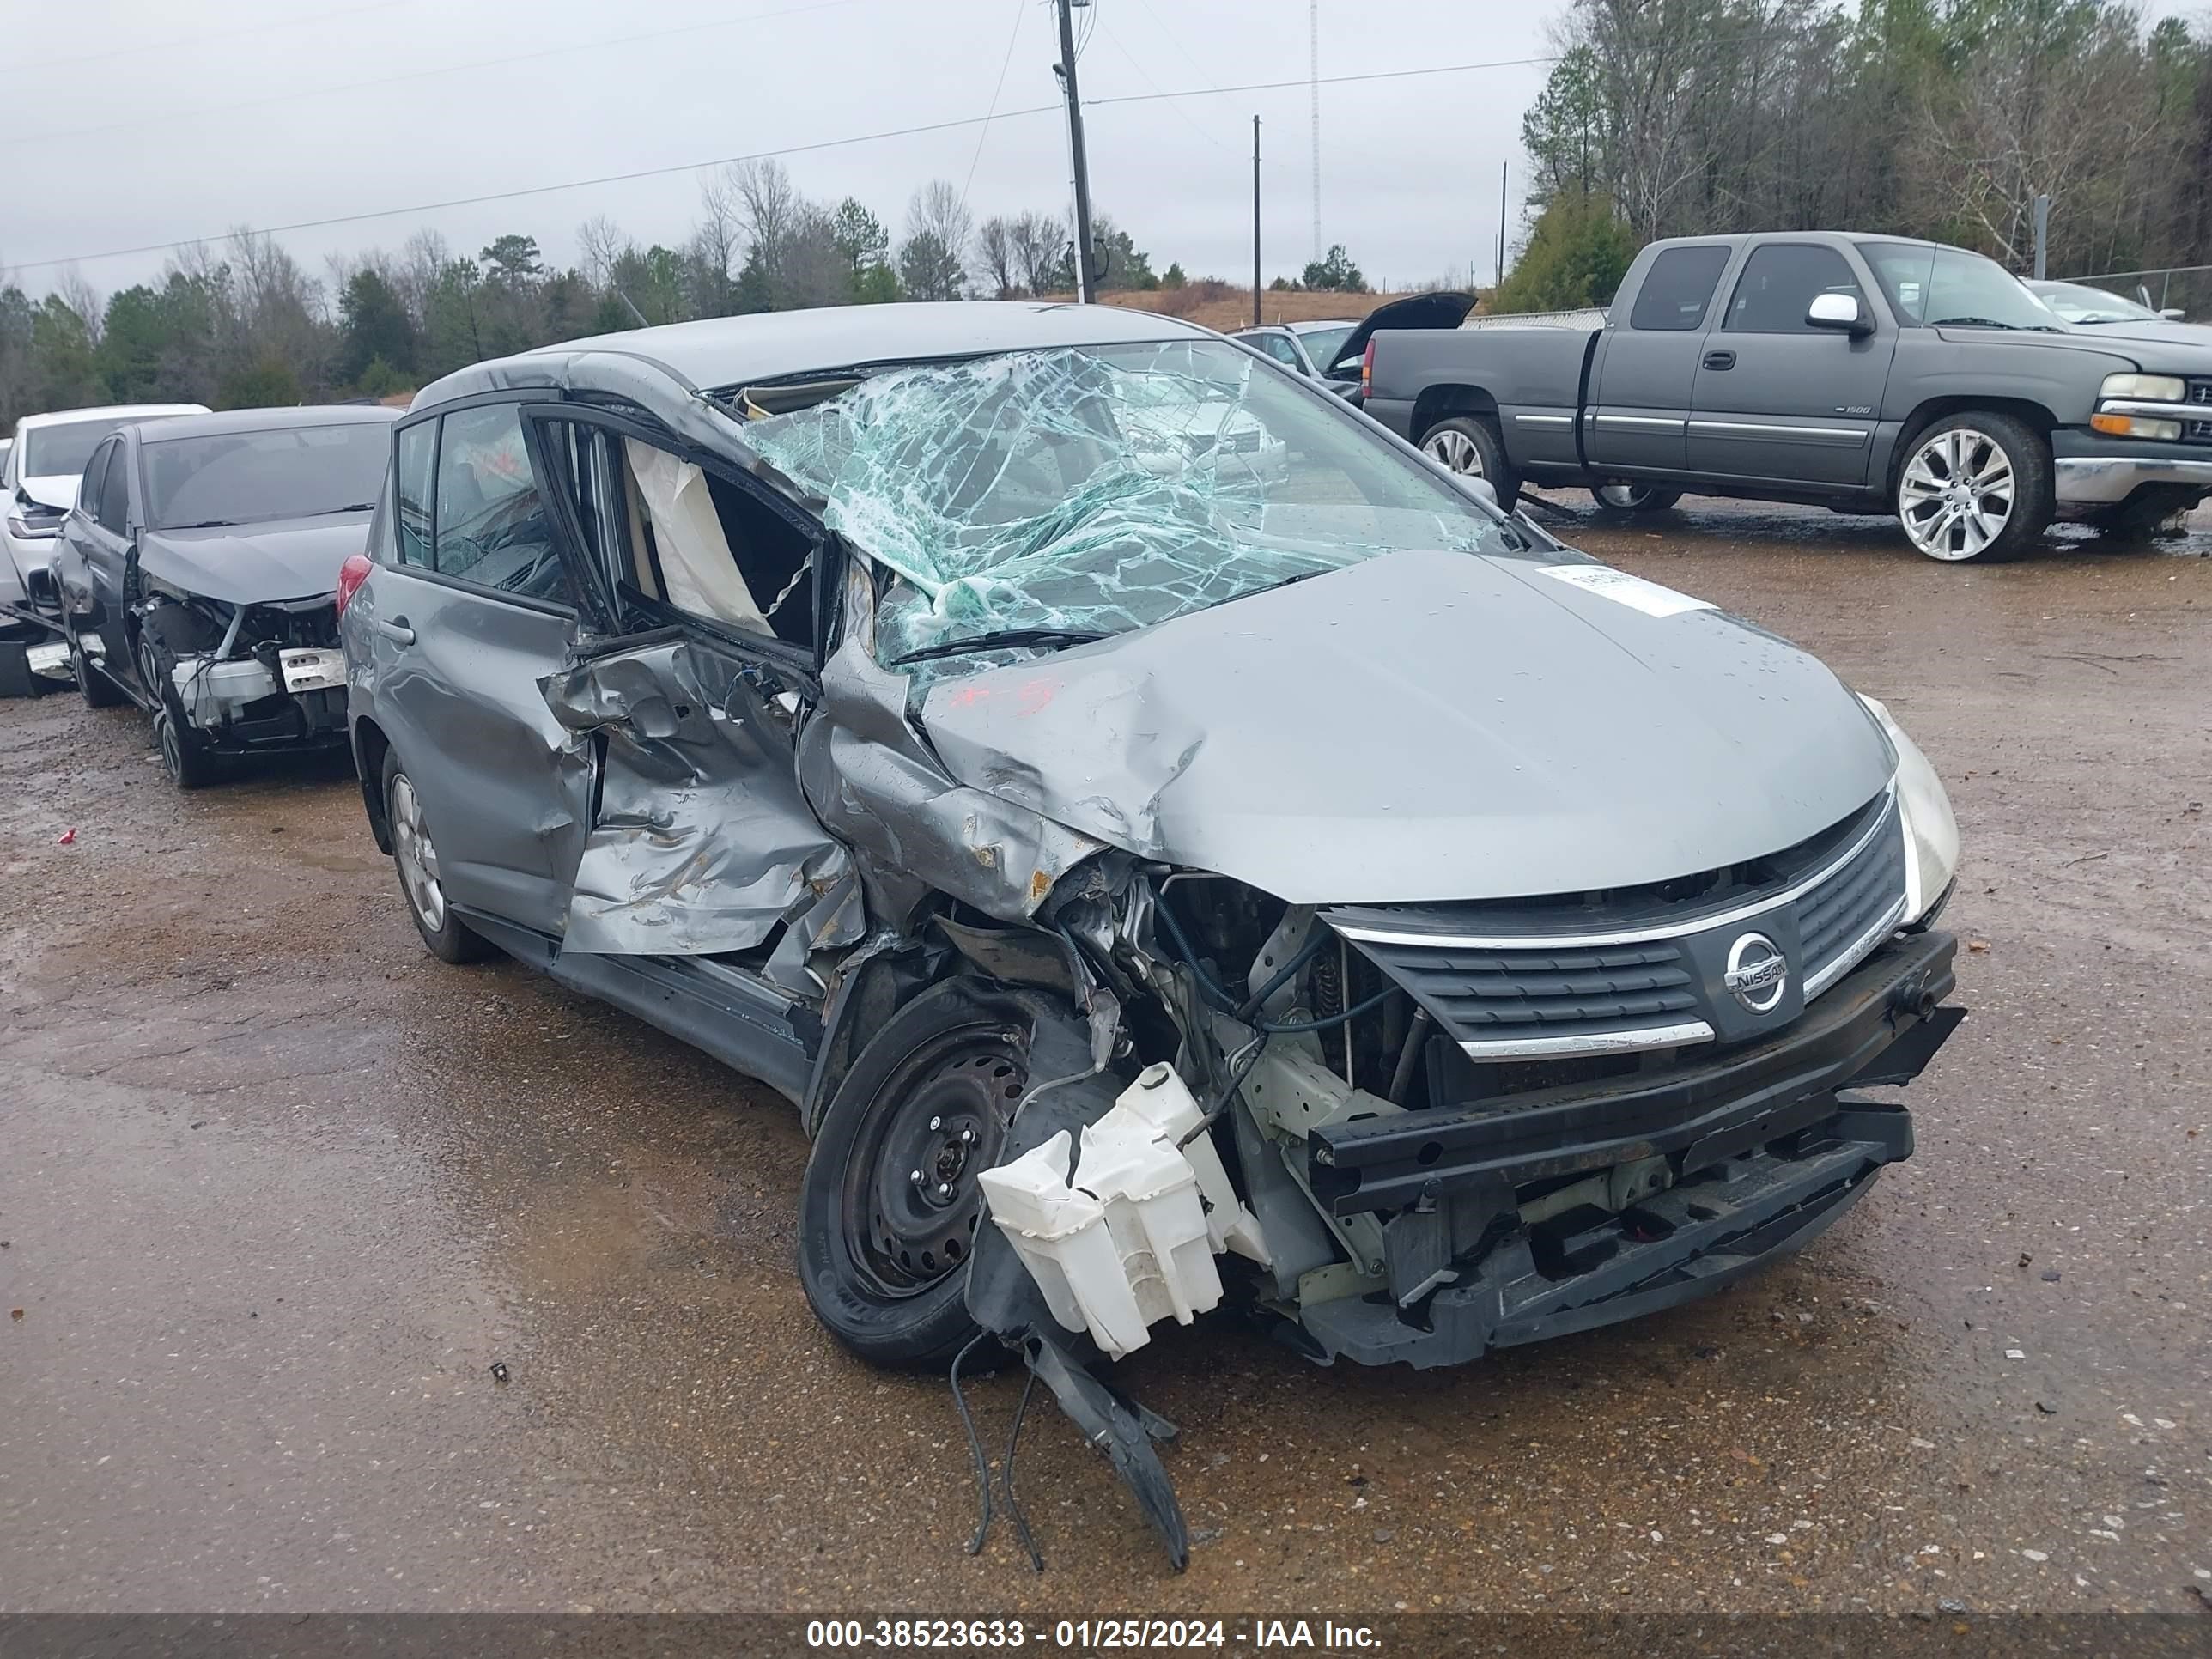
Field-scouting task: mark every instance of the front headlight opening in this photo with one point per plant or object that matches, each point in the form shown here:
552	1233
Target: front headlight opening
1931	831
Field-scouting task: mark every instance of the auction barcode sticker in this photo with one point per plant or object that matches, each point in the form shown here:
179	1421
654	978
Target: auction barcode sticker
1633	591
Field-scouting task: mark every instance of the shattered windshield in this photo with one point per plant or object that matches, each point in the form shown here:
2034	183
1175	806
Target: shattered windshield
1082	492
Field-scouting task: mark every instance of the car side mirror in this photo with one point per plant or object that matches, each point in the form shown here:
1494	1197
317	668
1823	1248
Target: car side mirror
1839	312
2174	314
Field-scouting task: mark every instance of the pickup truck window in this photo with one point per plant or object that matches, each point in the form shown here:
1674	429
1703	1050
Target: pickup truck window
1941	285
1779	283
1677	288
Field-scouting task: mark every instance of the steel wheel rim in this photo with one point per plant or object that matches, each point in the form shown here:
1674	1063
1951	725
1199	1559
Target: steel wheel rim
1458	451
912	1201
417	858
1956	495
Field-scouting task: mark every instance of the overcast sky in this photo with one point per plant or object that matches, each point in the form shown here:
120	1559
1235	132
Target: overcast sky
272	113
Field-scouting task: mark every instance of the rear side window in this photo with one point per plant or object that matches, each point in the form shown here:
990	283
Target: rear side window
115	490
1779	283
492	528
88	487
1678	288
417	446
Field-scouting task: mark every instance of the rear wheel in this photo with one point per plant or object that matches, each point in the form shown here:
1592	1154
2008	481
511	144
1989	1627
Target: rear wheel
1975	487
449	937
890	1206
95	688
1471	446
1628	495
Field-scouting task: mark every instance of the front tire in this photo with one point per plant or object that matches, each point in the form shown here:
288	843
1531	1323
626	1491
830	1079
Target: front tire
1632	495
446	936
890	1208
185	755
1472	447
1975	487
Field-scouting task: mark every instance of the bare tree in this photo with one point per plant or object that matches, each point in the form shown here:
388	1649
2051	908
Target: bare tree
932	258
717	240
78	294
1038	243
421	257
599	243
768	207
995	253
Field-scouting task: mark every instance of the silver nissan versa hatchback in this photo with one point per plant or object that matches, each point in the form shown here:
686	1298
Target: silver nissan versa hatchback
1173	843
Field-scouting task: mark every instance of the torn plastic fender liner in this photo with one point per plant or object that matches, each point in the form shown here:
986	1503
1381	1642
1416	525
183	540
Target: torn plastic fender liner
879	789
702	841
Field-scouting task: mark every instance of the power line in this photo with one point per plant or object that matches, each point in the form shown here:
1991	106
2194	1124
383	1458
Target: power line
47	65
989	115
170	117
764	155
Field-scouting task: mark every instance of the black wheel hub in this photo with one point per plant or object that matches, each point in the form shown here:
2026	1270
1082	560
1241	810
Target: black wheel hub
912	1201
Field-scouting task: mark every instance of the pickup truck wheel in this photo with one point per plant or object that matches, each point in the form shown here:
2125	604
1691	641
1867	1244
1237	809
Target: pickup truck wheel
447	936
1620	496
889	1208
1470	445
1975	487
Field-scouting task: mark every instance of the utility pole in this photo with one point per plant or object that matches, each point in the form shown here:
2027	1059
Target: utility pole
1502	166
2042	233
1086	284
1256	222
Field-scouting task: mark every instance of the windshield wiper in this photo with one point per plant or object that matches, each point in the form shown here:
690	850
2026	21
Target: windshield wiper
1971	322
1006	639
326	511
204	523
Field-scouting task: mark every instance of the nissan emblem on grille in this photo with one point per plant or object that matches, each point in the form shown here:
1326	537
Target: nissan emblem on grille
1758	973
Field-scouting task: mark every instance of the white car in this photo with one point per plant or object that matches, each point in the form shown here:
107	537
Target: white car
39	480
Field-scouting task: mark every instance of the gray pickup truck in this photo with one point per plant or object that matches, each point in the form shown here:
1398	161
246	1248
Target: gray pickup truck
1866	373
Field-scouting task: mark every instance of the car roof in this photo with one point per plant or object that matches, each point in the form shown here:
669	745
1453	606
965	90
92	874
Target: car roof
138	411
232	421
728	351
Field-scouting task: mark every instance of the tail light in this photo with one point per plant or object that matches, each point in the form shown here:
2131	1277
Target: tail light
1367	370
351	574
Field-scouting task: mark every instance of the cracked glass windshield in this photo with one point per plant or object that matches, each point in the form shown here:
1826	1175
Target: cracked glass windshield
1042	498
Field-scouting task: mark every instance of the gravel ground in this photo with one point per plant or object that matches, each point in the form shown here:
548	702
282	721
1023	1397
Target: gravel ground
277	1190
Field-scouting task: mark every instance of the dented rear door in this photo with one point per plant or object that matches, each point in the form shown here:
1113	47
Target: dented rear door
464	627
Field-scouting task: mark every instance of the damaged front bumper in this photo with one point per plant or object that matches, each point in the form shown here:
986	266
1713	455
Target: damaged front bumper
1737	1158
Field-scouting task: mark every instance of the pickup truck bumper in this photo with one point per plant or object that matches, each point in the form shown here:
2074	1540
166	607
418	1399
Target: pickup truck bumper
2092	470
1763	1149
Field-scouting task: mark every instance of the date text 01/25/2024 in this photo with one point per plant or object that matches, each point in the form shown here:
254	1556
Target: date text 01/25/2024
1090	1635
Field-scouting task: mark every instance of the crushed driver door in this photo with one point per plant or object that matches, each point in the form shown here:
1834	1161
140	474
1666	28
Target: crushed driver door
701	840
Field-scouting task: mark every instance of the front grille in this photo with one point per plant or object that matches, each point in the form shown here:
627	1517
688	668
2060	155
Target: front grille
1834	919
1556	997
1617	973
2199	432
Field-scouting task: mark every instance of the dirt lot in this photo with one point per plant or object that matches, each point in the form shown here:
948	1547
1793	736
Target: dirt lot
277	1190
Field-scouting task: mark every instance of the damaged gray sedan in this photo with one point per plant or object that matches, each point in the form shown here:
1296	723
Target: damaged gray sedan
1175	844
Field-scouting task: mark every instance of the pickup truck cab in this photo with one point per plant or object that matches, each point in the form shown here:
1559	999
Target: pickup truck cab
1866	373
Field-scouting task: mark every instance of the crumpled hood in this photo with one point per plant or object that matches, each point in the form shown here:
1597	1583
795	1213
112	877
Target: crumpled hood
251	564
58	491
1427	726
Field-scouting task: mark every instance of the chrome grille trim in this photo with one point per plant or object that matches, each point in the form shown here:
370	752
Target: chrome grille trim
1635	935
1602	1043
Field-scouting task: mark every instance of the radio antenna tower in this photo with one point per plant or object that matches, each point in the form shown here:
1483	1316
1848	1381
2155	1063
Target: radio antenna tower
1313	94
